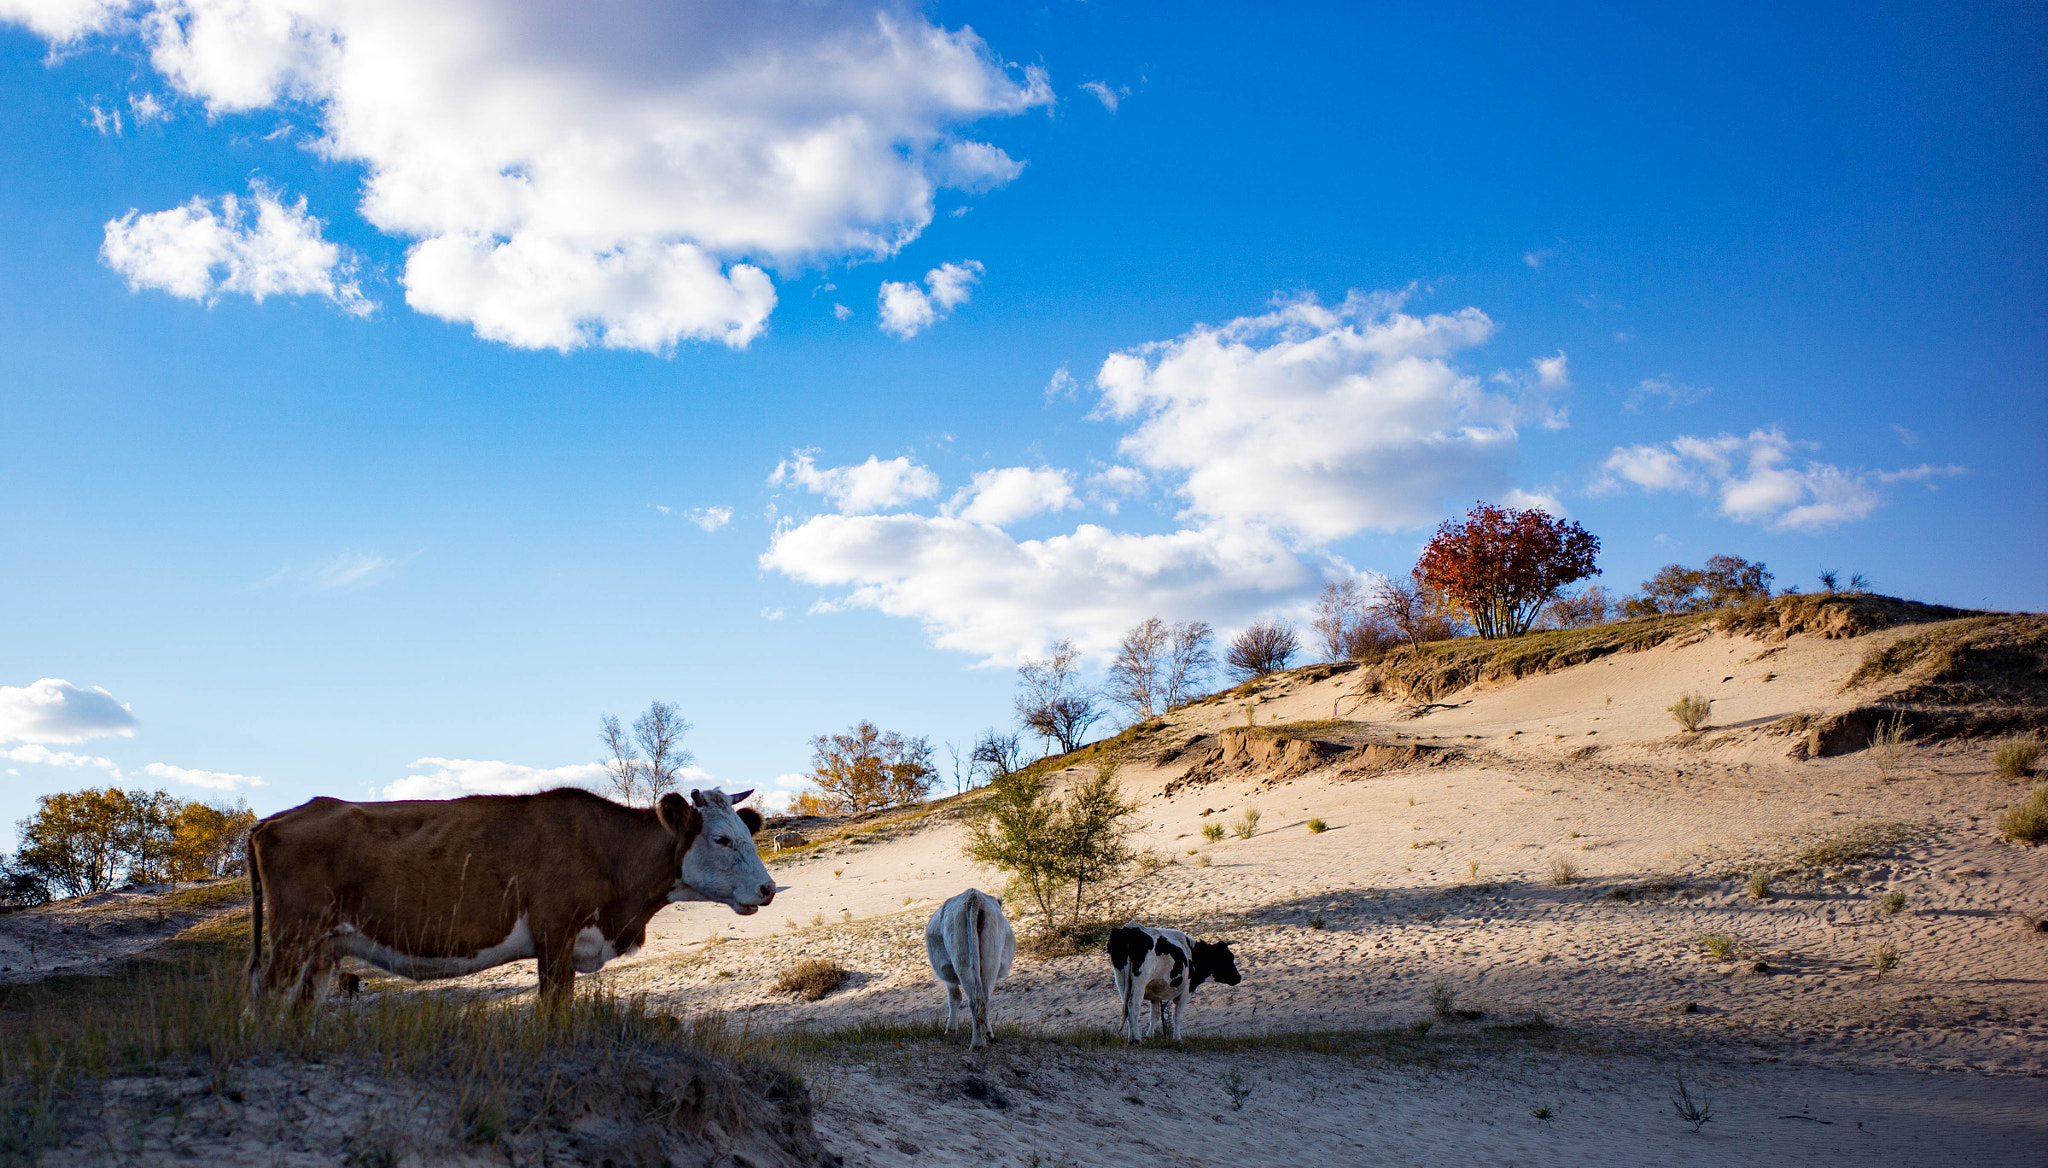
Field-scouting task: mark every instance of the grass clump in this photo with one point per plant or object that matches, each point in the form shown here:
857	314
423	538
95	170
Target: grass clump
2026	822
2015	758
1563	870
1719	946
1857	843
812	979
1691	711
1212	832
1247	824
1884	958
1443	998
1891	902
1887	744
1317	825
1759	884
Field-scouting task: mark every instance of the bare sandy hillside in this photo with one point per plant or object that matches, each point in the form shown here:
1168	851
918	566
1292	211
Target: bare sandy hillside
1523	852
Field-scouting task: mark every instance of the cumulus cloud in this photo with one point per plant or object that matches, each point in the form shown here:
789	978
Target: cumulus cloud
711	518
1279	433
1324	421
256	247
622	174
44	756
53	711
1759	479
979	591
907	310
449	778
1004	496
873	485
212	780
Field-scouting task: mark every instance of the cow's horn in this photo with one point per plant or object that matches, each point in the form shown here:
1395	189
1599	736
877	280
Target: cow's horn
739	797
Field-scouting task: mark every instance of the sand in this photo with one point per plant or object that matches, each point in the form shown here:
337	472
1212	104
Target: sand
1443	875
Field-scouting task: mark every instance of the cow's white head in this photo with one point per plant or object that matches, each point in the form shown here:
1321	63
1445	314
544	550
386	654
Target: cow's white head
721	863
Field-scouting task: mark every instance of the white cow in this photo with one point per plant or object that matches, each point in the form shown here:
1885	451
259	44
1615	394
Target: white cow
971	946
1163	966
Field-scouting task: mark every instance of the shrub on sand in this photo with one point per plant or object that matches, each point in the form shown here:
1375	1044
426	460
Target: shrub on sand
1691	710
1719	946
1891	902
2016	758
1443	998
1563	870
1887	743
2026	822
1317	825
1759	884
811	979
1212	832
1247	824
1884	958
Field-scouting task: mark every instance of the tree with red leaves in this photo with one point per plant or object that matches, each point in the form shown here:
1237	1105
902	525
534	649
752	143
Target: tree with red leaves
1502	565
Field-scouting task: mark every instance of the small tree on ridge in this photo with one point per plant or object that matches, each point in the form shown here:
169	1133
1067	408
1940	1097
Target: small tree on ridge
1501	566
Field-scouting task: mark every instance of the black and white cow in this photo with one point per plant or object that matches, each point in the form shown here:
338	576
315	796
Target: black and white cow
971	946
1163	966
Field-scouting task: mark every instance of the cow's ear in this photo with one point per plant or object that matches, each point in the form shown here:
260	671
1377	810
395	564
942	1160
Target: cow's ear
677	815
751	818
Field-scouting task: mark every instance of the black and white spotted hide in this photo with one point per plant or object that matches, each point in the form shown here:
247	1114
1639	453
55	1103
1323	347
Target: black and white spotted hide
1163	966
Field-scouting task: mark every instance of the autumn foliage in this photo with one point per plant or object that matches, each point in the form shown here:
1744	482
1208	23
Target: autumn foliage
868	768
1501	566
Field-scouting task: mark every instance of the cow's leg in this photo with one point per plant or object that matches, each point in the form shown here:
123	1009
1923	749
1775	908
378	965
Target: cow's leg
556	958
1177	1003
1134	1009
953	1002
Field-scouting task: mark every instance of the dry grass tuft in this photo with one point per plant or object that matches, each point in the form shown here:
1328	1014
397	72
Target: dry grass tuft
1884	957
812	979
1759	884
1719	946
1891	902
1887	744
1691	711
2026	822
2016	758
1563	870
1857	843
1247	824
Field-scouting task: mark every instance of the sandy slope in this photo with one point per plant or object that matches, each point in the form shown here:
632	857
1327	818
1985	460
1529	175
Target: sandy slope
1442	874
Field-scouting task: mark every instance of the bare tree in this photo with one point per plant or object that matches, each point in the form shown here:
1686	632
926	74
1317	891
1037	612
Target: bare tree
1054	705
1136	674
1341	606
1262	648
995	755
1414	609
963	774
1189	658
647	765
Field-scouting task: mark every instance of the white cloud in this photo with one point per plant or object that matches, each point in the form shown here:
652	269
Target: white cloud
1536	259
842	312
451	778
711	518
1002	497
618	174
907	310
258	247
870	486
979	591
1280	433
147	108
773	797
448	778
1544	501
771	614
348	570
1674	393
1324	421
1756	480
213	780
1062	384
1109	97
52	710
1906	437
44	756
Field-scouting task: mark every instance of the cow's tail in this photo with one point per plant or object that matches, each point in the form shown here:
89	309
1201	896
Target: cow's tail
255	917
966	949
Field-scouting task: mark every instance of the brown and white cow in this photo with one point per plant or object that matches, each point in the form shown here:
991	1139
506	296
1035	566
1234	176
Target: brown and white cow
442	888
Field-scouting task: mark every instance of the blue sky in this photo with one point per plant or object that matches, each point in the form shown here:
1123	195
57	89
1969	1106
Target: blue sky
575	343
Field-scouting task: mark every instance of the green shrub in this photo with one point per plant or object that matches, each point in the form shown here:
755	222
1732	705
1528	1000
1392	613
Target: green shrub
1691	710
1759	884
1247	824
1719	946
2016	758
1212	832
1317	825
